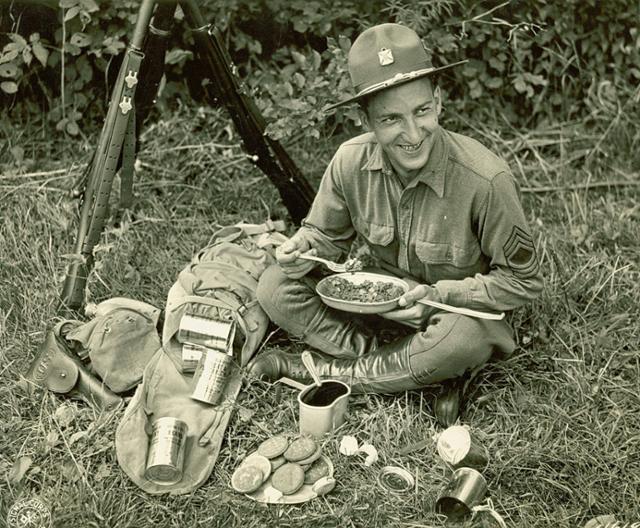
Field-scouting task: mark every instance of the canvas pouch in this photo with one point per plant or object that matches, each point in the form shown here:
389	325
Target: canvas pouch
219	283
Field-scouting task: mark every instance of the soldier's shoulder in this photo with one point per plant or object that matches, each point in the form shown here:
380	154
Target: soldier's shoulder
365	140
470	155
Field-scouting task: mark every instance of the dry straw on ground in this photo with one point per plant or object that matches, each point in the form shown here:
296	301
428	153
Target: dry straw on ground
560	419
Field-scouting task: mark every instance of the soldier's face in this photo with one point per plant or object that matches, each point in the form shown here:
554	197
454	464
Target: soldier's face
403	119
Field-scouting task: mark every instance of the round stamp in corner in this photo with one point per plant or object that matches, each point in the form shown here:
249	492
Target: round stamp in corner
29	513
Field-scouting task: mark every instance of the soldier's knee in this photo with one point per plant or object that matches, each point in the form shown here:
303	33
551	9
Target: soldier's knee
270	283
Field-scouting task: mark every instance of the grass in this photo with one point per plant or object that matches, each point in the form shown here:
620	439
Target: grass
560	419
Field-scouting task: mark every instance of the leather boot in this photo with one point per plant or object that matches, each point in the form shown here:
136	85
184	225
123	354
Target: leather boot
372	373
450	402
275	364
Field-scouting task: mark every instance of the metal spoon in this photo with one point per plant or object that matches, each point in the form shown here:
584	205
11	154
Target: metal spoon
349	265
307	360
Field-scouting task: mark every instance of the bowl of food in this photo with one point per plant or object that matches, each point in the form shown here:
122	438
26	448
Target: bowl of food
361	292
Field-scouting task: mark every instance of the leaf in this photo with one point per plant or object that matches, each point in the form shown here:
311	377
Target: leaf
72	128
344	43
64	415
299	59
8	56
19	469
317	59
89	5
8	70
41	53
66	4
80	39
299	79
9	87
52	440
27	55
176	56
494	82
19	40
519	84
71	48
535	79
78	435
71	13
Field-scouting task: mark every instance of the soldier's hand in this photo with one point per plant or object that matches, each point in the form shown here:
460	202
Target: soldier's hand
410	312
287	256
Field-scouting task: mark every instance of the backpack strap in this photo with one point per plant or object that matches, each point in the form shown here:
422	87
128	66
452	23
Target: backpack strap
266	227
235	306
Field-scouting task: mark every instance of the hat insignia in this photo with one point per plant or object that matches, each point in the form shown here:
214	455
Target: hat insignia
385	56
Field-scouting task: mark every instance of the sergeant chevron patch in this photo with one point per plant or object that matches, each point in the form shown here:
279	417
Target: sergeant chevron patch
520	253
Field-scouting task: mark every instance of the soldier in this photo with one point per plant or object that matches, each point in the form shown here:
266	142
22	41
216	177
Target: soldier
436	208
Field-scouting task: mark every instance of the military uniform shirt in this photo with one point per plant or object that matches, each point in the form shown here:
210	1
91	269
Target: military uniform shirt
458	225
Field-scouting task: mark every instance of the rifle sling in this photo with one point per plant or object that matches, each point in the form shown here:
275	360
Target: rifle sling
128	161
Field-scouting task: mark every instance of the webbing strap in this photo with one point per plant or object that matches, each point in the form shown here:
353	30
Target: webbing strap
239	309
258	229
128	161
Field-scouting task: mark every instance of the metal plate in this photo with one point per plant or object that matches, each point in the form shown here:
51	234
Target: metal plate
357	278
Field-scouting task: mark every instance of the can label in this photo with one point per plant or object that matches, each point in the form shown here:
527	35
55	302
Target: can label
210	333
191	355
165	458
210	378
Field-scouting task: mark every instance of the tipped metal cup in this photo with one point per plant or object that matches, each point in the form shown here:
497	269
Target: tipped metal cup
466	489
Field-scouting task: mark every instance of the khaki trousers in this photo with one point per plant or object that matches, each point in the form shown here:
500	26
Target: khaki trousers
445	348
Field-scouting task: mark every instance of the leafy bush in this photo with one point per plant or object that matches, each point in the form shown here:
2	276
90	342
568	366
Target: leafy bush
530	61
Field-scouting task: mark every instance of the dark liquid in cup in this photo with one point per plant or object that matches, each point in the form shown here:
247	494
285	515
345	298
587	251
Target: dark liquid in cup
325	395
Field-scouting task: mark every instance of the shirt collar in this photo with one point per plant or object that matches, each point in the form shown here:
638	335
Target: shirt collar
433	172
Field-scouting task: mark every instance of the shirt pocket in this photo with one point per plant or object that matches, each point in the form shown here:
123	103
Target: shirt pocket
444	261
375	234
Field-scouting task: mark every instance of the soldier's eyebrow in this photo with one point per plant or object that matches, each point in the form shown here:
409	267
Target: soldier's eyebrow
428	102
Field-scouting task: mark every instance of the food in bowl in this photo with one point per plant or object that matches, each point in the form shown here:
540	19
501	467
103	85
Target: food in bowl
353	264
365	292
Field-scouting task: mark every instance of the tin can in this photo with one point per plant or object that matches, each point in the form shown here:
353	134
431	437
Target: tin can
165	458
457	446
204	331
466	489
191	355
210	378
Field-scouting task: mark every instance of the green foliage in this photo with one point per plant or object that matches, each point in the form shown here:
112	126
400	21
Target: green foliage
529	61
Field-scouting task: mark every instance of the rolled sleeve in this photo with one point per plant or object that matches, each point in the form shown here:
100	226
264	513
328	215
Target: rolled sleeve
328	227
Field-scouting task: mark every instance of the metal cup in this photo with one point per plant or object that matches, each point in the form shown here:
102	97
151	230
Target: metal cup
210	378
165	458
322	409
457	446
466	489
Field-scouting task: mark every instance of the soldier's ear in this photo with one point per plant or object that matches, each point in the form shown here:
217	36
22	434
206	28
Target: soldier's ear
364	118
437	95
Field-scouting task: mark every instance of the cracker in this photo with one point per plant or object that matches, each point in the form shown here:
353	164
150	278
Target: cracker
273	447
277	462
288	478
247	478
318	469
301	448
311	459
262	463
